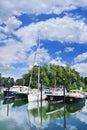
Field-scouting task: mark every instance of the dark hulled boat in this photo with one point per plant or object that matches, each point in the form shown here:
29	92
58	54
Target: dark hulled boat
8	93
57	96
18	96
75	96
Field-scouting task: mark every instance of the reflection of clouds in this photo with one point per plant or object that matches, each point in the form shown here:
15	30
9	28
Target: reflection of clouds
82	116
15	118
71	127
68	127
36	120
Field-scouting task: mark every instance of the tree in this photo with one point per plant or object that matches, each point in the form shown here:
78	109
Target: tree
85	81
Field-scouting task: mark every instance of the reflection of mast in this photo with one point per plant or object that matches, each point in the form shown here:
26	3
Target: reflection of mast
41	105
7	109
64	117
30	126
40	114
7	106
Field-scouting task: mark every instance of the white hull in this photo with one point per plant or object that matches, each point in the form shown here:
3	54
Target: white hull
35	105
36	96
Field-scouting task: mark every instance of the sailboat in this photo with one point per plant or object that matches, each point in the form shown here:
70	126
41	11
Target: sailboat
36	94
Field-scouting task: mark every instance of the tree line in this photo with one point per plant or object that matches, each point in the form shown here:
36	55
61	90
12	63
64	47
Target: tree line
50	76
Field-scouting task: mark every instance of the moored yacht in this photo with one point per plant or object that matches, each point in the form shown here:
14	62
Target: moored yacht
57	96
74	96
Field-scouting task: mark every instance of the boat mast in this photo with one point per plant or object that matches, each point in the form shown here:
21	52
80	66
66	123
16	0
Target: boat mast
38	48
33	66
38	60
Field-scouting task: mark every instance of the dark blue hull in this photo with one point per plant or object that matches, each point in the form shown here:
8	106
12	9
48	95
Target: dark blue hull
61	99
55	98
8	93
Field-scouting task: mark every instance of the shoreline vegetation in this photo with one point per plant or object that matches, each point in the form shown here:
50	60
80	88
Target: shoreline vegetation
51	76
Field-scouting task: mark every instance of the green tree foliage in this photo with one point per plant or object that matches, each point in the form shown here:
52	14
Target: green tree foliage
7	82
85	80
51	76
54	75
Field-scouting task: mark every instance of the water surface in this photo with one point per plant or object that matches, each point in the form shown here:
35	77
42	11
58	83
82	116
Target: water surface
37	116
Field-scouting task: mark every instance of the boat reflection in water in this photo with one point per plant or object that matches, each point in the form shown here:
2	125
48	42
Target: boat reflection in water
42	115
74	107
37	114
15	103
19	103
12	103
7	101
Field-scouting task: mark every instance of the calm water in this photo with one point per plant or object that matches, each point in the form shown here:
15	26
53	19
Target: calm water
37	116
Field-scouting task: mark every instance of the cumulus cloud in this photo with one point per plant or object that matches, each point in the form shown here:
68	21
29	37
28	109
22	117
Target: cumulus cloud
9	8
69	49
58	52
81	57
11	24
57	61
64	29
81	68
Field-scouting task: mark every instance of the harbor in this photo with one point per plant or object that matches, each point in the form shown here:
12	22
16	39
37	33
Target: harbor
43	61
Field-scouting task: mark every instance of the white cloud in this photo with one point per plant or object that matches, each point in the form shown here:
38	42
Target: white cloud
11	53
81	57
58	61
69	49
2	36
9	8
81	68
58	52
11	24
64	29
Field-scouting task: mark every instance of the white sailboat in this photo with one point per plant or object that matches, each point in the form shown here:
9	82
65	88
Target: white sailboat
36	94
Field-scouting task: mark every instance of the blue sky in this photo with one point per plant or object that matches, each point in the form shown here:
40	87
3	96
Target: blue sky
62	29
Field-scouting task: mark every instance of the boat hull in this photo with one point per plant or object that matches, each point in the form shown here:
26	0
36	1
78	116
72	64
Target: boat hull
8	93
55	98
36	97
20	97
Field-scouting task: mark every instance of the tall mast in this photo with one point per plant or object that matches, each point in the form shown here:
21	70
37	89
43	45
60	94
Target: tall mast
38	60
38	46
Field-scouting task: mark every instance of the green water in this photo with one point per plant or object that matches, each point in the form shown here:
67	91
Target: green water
37	116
